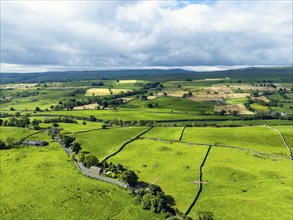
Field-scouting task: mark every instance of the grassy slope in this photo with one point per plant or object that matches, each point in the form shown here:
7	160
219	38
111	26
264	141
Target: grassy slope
48	186
256	138
16	133
172	133
171	103
287	132
149	114
176	165
268	185
101	143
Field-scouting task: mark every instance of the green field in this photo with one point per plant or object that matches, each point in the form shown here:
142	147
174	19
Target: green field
241	186
259	138
42	183
176	169
16	133
104	142
169	133
287	132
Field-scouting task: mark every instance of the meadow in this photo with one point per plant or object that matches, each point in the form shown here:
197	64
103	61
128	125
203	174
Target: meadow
254	182
49	185
175	171
264	139
104	142
243	186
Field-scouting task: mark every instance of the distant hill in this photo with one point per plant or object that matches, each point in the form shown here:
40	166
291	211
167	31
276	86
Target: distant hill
281	74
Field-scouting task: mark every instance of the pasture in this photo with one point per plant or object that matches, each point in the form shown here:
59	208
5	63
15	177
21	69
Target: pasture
244	186
258	138
174	165
104	142
42	183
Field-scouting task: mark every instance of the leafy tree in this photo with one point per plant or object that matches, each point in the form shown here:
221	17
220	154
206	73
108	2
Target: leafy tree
90	160
76	147
150	105
129	177
37	109
2	145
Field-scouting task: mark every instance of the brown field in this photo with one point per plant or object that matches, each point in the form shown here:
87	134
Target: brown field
18	86
96	92
89	106
238	107
152	97
209	97
246	87
173	93
265	99
218	89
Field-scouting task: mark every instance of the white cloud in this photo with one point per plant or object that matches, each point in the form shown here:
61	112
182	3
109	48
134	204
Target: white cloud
103	34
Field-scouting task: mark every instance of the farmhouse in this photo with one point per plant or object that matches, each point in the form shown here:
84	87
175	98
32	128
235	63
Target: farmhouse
37	143
96	170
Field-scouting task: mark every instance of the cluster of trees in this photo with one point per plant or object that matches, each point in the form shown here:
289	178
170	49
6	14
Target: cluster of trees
7	144
154	86
106	101
60	119
187	95
22	122
69	142
153	198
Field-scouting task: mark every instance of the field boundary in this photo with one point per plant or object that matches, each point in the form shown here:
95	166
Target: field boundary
125	143
83	131
182	134
217	145
85	171
284	141
200	182
23	139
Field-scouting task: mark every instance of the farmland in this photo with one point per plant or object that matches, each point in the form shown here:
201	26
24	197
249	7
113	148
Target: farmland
158	126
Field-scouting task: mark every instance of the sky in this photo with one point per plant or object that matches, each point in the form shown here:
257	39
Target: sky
199	35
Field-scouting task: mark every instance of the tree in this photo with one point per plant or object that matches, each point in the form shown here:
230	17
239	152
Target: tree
2	145
90	160
84	123
104	126
129	177
17	114
76	147
37	109
165	94
9	141
150	105
205	215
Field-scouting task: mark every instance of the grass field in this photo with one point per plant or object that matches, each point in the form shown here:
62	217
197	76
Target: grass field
49	186
136	114
169	133
241	186
287	132
102	143
171	103
15	133
258	138
258	107
175	165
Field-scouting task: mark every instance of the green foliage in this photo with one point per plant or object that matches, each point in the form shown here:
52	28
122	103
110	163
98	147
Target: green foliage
129	177
90	160
75	147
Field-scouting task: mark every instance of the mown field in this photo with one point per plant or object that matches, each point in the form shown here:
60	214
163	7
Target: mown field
48	185
104	142
174	165
242	186
258	138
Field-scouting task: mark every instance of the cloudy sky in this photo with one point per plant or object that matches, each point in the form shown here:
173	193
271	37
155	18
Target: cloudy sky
61	35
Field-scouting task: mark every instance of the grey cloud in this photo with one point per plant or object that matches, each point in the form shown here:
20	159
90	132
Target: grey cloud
104	34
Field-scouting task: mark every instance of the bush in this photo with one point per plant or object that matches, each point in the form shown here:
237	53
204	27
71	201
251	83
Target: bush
90	160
